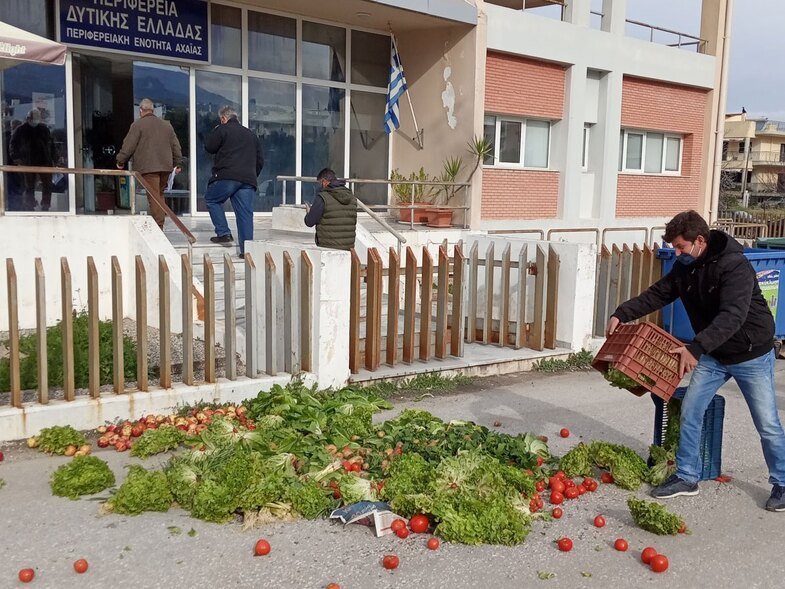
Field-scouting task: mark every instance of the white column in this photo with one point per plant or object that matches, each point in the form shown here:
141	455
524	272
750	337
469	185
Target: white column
578	12
614	13
569	136
604	145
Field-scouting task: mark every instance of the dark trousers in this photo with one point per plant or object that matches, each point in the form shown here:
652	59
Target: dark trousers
157	182
29	191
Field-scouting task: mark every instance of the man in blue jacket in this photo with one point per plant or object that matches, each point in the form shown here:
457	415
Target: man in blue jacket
734	339
236	166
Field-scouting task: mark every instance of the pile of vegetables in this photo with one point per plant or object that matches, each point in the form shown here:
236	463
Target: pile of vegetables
297	452
61	440
654	518
663	458
84	475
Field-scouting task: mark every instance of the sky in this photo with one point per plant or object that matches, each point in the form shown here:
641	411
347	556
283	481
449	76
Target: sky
757	48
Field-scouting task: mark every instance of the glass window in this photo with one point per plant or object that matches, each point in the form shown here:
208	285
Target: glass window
536	148
226	36
322	133
213	91
30	15
634	151
370	59
271	115
368	145
621	150
324	52
654	142
272	43
167	86
673	154
489	131
510	142
34	94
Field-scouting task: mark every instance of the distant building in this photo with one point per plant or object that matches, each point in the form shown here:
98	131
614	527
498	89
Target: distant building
753	158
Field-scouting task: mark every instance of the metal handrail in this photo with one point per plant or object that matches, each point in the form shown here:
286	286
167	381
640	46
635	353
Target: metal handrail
412	206
594	230
135	176
401	239
700	43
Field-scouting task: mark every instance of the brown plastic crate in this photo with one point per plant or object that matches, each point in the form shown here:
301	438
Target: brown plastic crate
641	351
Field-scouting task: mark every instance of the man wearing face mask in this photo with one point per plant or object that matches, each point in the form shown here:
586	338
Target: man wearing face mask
734	339
31	145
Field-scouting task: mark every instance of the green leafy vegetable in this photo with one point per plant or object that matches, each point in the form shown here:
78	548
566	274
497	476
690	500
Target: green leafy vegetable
577	462
308	499
629	470
2	483
84	475
407	476
142	491
56	439
620	380
155	441
653	517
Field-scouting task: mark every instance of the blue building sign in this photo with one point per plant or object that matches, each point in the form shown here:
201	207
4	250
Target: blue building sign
165	28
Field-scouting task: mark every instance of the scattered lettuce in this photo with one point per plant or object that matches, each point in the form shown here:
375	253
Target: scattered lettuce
56	439
155	441
142	491
653	517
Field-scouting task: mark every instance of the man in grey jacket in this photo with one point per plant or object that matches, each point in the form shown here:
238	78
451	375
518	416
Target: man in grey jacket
153	146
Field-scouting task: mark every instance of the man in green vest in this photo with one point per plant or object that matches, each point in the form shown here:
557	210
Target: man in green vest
334	212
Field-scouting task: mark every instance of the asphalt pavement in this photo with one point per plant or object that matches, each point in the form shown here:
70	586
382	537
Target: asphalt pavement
733	541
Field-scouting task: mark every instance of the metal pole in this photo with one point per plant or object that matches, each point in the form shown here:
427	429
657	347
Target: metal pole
411	210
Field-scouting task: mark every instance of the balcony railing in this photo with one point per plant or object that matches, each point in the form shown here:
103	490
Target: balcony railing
674	38
768	157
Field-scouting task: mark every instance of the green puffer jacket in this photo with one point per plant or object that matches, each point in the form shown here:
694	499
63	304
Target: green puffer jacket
338	225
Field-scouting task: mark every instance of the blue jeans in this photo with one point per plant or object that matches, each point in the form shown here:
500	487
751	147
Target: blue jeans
242	196
756	381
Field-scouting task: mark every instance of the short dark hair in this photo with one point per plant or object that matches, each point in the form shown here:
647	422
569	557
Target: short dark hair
688	224
326	174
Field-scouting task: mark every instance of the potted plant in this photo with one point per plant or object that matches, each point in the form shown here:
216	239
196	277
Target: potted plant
403	188
480	148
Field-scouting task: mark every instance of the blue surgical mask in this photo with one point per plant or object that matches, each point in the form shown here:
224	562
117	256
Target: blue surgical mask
687	259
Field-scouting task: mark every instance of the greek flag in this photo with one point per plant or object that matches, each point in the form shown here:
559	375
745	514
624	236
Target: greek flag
395	90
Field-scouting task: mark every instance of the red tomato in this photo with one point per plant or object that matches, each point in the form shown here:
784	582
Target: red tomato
419	524
1	456
569	483
136	431
599	522
587	481
560	474
565	544
333	586
390	562
397	525
606	478
621	545
262	548
80	566
659	563
402	533
594	485
571	493
648	553
564	432
556	485
540	486
557	512
433	544
540	461
556	498
682	528
26	575
581	489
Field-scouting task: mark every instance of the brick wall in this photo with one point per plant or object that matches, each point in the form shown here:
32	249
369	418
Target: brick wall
658	106
523	87
519	194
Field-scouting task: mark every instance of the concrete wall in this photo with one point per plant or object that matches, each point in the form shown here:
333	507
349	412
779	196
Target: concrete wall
51	237
329	318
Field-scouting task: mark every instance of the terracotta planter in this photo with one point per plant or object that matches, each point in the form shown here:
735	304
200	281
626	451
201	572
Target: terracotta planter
439	217
104	200
420	213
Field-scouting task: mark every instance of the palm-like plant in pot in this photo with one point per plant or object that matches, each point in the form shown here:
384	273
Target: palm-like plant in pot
409	191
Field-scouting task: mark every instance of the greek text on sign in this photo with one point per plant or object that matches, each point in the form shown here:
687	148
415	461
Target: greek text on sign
170	28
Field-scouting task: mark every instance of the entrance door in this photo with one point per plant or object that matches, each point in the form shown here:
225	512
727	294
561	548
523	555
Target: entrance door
107	94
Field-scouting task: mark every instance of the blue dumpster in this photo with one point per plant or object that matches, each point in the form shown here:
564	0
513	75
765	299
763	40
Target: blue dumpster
768	263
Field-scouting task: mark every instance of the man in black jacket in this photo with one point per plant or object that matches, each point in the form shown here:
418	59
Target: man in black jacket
734	339
237	163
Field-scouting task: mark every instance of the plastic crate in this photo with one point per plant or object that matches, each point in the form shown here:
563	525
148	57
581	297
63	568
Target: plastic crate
642	352
711	433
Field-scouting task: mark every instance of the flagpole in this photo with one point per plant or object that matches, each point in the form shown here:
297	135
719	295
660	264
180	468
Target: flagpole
418	133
